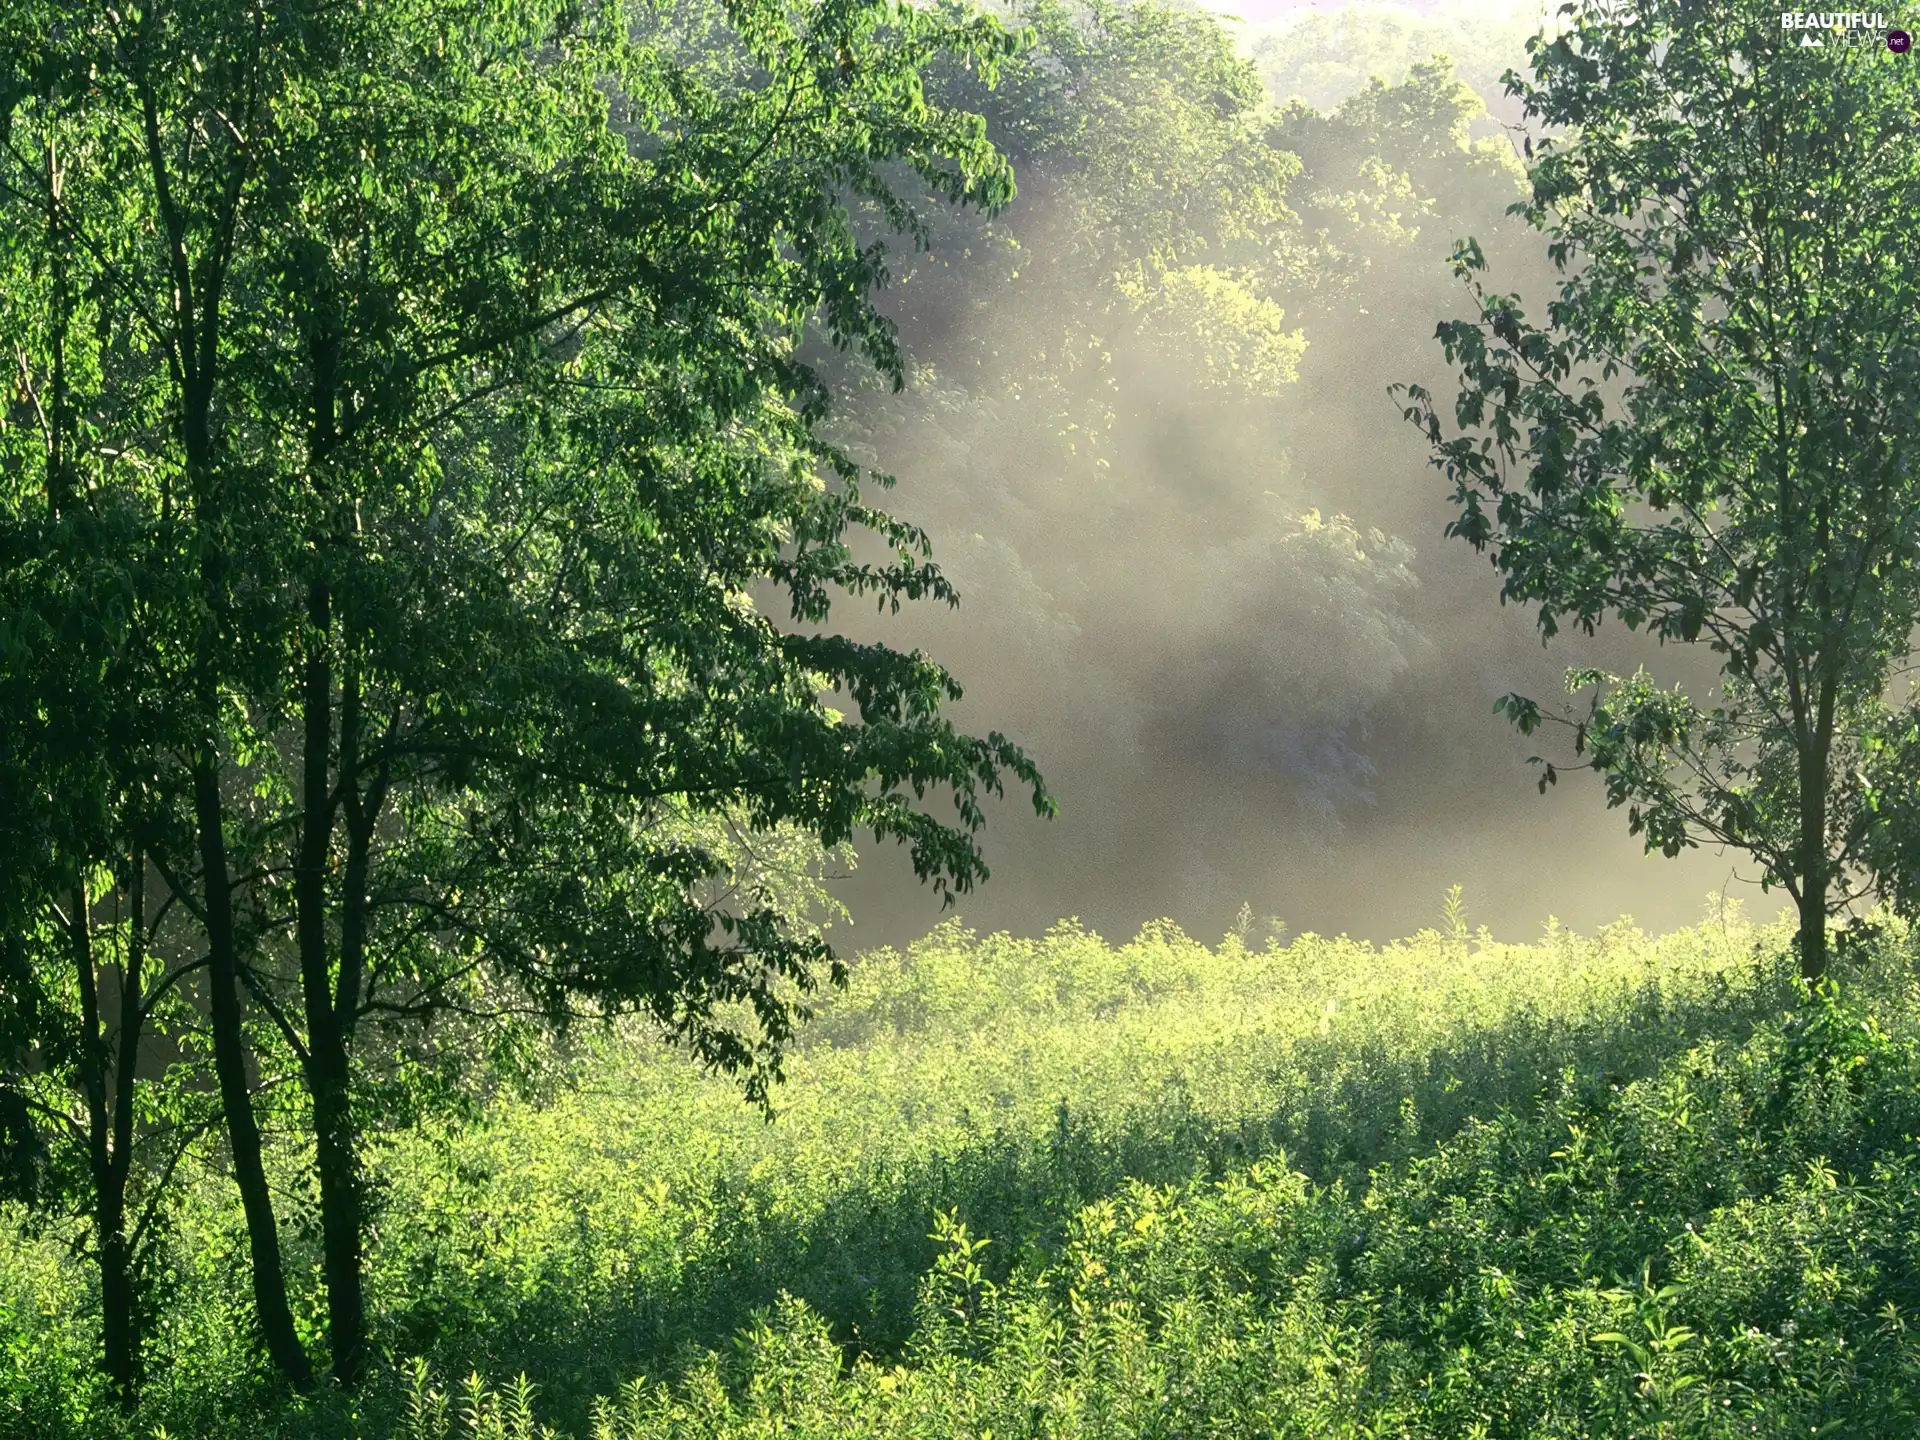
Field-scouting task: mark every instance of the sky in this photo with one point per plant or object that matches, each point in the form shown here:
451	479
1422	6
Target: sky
1271	12
1260	12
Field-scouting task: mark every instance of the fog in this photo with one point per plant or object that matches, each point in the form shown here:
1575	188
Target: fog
1227	625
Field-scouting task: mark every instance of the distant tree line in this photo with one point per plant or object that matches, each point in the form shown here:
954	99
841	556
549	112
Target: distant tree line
1145	431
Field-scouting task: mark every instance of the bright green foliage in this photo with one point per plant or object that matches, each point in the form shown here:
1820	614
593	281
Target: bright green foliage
1013	1080
1722	1246
1388	179
1135	132
1714	434
1322	58
592	1235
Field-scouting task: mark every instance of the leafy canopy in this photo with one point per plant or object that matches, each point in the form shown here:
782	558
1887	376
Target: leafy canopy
411	426
1711	437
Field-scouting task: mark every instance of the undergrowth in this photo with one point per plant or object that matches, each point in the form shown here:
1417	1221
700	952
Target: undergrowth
1591	1186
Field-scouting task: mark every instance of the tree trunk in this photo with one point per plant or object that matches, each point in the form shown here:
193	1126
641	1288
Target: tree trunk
1814	877
126	1080
1813	933
108	1179
340	1218
339	1167
196	354
329	1075
229	1063
119	1333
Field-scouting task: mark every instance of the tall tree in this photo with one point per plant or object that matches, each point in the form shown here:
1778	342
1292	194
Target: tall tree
94	968
473	424
1712	437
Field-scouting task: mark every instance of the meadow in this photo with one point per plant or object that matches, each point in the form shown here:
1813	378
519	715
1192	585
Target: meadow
1596	1185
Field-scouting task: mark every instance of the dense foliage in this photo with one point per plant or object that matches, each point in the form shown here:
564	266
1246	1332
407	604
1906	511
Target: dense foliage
1722	1247
393	499
1323	56
1143	407
593	1233
408	414
422	504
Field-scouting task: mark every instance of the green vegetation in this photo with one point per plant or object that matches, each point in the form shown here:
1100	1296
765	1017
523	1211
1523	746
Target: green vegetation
400	509
1304	1190
409	423
1713	437
1323	57
934	1080
437	437
1132	425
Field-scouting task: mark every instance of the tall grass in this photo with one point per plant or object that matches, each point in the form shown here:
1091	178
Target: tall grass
1175	1154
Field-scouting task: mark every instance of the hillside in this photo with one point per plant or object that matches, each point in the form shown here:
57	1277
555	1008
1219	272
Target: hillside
1072	1188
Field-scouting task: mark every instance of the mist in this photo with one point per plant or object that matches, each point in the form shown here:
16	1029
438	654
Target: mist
1213	599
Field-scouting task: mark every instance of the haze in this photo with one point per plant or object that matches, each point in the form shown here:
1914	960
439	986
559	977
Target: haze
1219	725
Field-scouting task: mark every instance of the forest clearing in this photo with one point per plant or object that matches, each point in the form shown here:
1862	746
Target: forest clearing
584	582
1593	1185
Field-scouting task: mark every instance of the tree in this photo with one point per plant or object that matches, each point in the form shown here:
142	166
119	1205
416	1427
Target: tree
96	989
1712	436
1326	58
94	970
469	423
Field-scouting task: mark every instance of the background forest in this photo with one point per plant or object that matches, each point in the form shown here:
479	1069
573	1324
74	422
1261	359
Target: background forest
466	701
1202	569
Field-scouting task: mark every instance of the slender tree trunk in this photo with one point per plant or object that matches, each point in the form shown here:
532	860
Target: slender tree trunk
107	1170
126	1079
1813	934
119	1330
107	1163
345	1261
229	1063
340	1157
340	1217
329	1077
197	293
1814	877
109	1195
